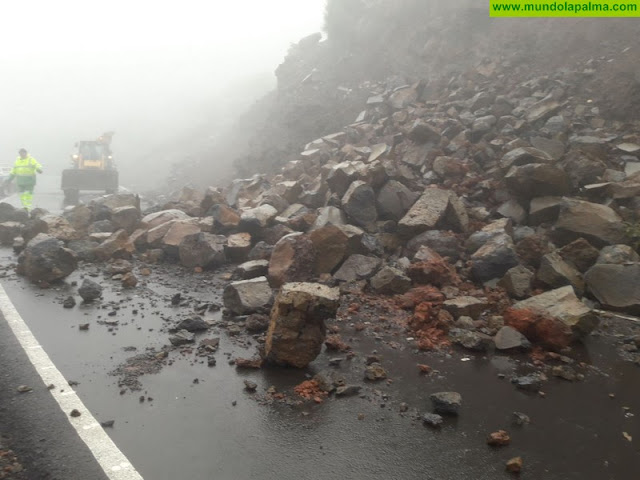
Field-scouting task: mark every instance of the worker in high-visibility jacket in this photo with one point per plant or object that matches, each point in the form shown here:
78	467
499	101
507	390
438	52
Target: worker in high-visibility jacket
24	171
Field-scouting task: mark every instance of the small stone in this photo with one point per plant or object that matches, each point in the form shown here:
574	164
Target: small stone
75	413
432	420
24	389
90	290
446	402
361	416
129	280
514	465
404	407
531	383
520	418
509	338
565	372
107	424
348	390
69	302
334	362
193	324
250	386
83	327
425	369
375	372
499	439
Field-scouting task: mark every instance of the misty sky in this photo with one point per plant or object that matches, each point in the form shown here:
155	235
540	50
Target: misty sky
152	71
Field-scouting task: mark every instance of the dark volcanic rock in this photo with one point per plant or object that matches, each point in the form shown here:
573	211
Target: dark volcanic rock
448	403
509	338
193	324
432	420
616	286
90	290
494	258
45	260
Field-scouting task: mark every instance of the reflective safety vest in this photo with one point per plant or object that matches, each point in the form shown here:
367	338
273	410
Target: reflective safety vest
25	167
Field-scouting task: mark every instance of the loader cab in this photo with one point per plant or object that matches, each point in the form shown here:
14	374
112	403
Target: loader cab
92	156
92	169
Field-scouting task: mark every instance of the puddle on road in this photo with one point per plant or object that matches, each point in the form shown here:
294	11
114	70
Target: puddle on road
194	431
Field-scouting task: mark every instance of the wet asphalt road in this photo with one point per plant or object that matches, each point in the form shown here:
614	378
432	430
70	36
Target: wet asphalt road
193	431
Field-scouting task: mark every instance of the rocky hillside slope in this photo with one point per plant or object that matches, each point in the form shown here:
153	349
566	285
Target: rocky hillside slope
322	83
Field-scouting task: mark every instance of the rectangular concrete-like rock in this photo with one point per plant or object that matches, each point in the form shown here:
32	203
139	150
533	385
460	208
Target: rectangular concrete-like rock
563	304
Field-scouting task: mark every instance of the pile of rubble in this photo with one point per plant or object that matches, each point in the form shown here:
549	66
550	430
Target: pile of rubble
506	215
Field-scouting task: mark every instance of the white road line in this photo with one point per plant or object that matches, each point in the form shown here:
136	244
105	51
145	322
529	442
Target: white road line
111	459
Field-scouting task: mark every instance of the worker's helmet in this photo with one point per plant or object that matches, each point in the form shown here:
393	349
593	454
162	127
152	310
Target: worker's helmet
22	150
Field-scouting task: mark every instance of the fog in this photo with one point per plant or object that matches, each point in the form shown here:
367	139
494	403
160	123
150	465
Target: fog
162	75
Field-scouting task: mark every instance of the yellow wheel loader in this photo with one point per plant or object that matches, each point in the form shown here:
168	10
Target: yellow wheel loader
93	169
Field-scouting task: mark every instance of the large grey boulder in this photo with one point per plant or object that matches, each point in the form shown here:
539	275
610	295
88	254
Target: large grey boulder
466	306
544	210
394	200
46	260
359	204
390	281
494	258
597	223
331	245
202	250
434	209
342	175
116	200
517	281
537	180
297	328
255	219
497	228
616	286
443	242
508	338
330	216
422	132
117	245
252	269
247	296
158	218
555	272
618	255
292	260
59	227
562	304
125	218
175	234
357	267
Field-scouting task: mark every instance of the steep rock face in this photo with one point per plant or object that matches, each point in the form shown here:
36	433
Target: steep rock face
297	329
